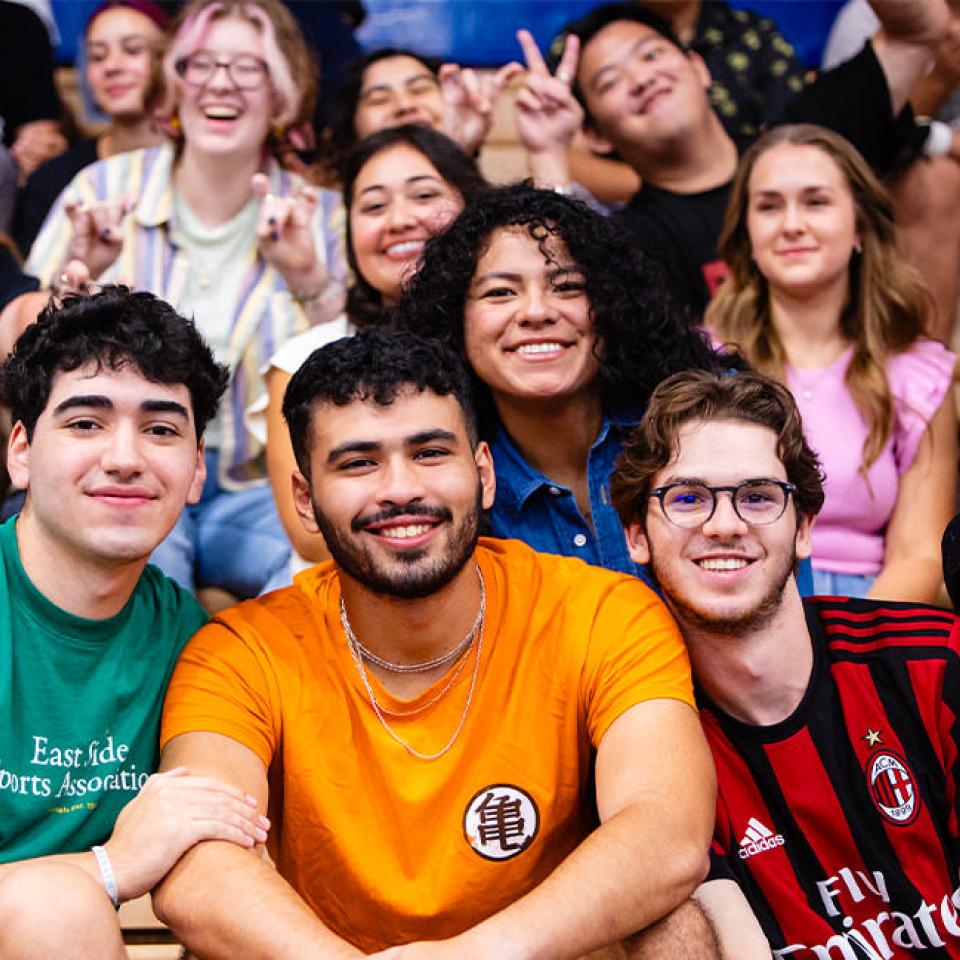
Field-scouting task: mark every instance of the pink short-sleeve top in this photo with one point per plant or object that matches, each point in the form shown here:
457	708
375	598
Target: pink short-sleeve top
848	536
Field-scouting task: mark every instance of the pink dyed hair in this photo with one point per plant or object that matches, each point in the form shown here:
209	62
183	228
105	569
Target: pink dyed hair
292	74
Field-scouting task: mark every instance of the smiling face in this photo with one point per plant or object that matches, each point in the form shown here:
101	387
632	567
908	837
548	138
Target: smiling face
396	490
725	576
216	116
397	90
121	46
528	329
642	91
801	220
399	202
112	461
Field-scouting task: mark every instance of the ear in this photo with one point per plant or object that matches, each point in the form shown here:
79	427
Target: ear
303	502
488	479
18	456
637	544
804	539
701	69
199	474
596	141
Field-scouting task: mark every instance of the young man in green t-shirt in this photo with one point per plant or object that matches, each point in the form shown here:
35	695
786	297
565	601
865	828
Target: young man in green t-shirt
109	396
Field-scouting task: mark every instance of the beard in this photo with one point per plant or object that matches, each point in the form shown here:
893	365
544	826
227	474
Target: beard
410	575
734	624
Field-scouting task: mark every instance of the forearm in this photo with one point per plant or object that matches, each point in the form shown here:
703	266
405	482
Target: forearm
225	902
610	181
605	891
318	294
915	579
549	168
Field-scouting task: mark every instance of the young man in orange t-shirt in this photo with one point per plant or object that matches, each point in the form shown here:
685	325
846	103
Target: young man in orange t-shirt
427	717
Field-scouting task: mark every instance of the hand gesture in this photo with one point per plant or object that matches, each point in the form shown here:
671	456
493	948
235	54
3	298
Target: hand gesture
548	114
285	235
172	812
468	102
35	143
97	232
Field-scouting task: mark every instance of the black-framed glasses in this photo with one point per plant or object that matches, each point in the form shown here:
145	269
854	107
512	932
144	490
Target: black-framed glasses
756	501
246	72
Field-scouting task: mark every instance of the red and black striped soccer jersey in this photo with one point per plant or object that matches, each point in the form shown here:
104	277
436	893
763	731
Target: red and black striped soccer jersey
840	822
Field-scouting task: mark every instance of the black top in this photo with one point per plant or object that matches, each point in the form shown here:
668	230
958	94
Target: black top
13	281
951	560
44	186
682	229
27	92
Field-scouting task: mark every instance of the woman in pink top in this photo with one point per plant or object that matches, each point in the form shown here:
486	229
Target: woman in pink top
819	297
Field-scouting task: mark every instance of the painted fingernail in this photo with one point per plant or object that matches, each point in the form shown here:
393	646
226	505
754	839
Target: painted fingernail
251	800
271	219
274	236
264	822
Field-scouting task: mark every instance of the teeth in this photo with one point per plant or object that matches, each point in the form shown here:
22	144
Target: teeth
533	348
722	563
402	533
408	246
221	113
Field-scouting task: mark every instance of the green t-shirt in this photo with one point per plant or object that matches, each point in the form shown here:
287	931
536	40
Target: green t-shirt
80	706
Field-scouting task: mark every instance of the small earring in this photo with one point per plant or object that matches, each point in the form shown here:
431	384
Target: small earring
857	246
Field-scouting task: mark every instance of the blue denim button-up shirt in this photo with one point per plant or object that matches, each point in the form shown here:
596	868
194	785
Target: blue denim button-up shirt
545	515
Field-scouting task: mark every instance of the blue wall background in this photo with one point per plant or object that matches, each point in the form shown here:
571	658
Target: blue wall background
481	32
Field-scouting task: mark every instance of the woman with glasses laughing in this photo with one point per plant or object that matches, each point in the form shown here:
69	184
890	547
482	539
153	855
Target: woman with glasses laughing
213	224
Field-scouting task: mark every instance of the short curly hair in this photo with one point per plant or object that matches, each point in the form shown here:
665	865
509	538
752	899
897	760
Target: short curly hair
115	328
642	332
372	365
699	395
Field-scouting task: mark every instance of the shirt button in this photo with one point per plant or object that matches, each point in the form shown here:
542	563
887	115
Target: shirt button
554	491
579	540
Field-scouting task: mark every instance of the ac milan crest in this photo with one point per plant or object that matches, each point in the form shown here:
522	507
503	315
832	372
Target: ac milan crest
893	788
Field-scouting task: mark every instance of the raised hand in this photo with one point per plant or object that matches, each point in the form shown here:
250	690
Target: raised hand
285	236
548	114
468	101
172	812
97	232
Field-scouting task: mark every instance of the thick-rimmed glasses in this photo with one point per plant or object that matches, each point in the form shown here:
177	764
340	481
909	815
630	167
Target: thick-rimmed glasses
246	72
757	501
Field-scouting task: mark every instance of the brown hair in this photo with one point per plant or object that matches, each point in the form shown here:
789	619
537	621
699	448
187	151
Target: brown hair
700	395
293	73
888	304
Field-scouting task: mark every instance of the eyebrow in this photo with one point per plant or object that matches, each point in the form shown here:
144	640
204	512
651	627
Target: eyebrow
372	446
98	401
552	273
426	75
636	48
416	179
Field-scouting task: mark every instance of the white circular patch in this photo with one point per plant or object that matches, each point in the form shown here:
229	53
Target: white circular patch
501	821
893	788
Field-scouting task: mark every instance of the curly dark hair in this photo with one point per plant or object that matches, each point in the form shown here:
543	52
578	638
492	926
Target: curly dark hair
372	365
699	395
364	303
643	334
114	328
340	136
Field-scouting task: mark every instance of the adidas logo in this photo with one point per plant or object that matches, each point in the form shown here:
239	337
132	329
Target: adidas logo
758	839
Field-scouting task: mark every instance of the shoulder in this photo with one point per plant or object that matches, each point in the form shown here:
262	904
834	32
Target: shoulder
293	354
926	363
174	612
859	629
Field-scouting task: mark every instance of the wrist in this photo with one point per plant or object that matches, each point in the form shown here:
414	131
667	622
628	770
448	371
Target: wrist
307	283
107	876
549	168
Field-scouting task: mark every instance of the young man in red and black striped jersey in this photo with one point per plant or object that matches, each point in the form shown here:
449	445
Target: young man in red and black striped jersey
834	723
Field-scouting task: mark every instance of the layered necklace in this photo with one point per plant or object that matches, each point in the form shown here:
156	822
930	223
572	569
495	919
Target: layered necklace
360	654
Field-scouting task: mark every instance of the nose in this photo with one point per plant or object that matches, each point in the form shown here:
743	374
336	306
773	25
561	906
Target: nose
536	307
403	104
725	521
220	79
400	482
400	216
122	454
112	63
793	221
639	74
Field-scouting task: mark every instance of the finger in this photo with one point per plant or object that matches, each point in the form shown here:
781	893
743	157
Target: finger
567	67
473	89
260	186
528	102
217	830
75	276
449	73
304	207
504	75
531	53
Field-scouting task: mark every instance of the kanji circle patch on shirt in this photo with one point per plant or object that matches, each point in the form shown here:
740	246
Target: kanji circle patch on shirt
893	788
501	821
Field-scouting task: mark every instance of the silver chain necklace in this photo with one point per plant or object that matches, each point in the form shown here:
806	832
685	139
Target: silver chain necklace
354	646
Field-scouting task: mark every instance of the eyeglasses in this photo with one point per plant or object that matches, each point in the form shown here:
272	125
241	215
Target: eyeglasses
245	72
756	502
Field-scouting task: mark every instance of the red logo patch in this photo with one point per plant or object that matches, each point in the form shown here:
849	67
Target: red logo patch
893	788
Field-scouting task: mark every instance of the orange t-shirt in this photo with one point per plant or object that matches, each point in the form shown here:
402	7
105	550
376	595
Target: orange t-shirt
387	848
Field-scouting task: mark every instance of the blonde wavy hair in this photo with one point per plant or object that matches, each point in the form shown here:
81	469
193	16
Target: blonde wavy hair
888	304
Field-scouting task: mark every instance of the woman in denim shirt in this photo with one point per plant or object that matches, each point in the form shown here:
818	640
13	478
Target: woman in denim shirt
567	331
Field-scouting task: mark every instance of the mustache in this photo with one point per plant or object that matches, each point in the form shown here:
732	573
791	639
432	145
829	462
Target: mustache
443	514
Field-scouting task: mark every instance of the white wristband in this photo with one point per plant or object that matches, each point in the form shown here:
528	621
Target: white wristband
106	874
939	139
